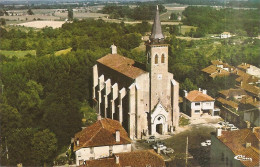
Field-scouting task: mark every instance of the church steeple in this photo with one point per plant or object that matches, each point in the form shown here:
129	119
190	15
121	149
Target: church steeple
157	35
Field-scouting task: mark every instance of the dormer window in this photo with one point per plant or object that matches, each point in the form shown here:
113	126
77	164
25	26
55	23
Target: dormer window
156	59
162	58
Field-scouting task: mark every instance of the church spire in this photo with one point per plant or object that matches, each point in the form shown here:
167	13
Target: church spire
157	34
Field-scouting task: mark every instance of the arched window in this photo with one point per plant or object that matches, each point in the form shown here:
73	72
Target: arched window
162	58
156	59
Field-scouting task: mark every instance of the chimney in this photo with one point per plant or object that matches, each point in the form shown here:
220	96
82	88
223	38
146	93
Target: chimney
204	91
117	136
185	93
248	144
117	159
113	49
99	117
158	150
77	142
248	124
199	89
219	132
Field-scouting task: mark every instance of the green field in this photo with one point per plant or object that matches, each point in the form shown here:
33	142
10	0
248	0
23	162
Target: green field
18	53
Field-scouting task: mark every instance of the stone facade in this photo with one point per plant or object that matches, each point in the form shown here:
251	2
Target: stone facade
143	98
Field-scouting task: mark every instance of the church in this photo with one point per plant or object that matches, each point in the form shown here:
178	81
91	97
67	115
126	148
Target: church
142	97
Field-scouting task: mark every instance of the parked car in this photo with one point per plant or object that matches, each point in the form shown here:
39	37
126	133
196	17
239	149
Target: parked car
161	146
168	151
151	139
222	123
208	142
230	125
203	144
233	128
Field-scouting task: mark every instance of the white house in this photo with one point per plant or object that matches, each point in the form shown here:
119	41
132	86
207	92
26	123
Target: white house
225	35
102	139
197	102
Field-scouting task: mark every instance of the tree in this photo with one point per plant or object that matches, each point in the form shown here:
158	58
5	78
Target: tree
188	85
70	14
30	12
44	146
174	16
10	119
19	144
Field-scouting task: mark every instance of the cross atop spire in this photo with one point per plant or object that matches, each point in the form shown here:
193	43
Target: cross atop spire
157	34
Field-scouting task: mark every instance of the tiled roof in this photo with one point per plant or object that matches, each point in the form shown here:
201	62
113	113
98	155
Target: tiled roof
197	96
215	71
243	66
251	88
122	64
227	102
101	133
216	62
233	92
140	158
236	141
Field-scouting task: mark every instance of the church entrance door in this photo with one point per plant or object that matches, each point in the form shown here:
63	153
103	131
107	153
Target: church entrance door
159	128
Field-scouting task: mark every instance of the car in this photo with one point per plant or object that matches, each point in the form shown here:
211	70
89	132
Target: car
151	139
233	128
222	123
161	146
230	125
168	151
203	144
208	142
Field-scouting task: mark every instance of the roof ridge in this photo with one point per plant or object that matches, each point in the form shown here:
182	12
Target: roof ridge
246	135
94	135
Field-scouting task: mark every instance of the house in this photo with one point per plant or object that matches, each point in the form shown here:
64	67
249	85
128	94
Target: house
249	69
225	35
197	102
231	93
227	103
101	139
218	68
142	97
139	158
235	148
252	116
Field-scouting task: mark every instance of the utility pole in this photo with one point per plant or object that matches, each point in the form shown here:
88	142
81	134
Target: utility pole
6	149
186	158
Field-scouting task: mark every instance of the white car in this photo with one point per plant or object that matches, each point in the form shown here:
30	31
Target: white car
208	142
168	151
233	128
161	146
204	144
230	125
151	139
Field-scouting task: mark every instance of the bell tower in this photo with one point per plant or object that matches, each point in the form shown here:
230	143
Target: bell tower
157	63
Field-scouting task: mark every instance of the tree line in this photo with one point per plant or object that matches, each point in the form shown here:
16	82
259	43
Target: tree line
213	21
141	12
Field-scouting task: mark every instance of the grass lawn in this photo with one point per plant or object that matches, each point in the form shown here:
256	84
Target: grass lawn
18	53
185	28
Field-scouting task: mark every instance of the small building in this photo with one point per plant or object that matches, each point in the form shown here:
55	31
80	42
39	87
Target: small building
231	93
250	69
225	35
197	102
235	148
101	139
218	68
139	158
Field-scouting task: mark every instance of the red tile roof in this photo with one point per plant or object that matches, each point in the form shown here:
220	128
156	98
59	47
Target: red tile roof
236	141
101	133
122	64
140	158
227	102
233	92
197	96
